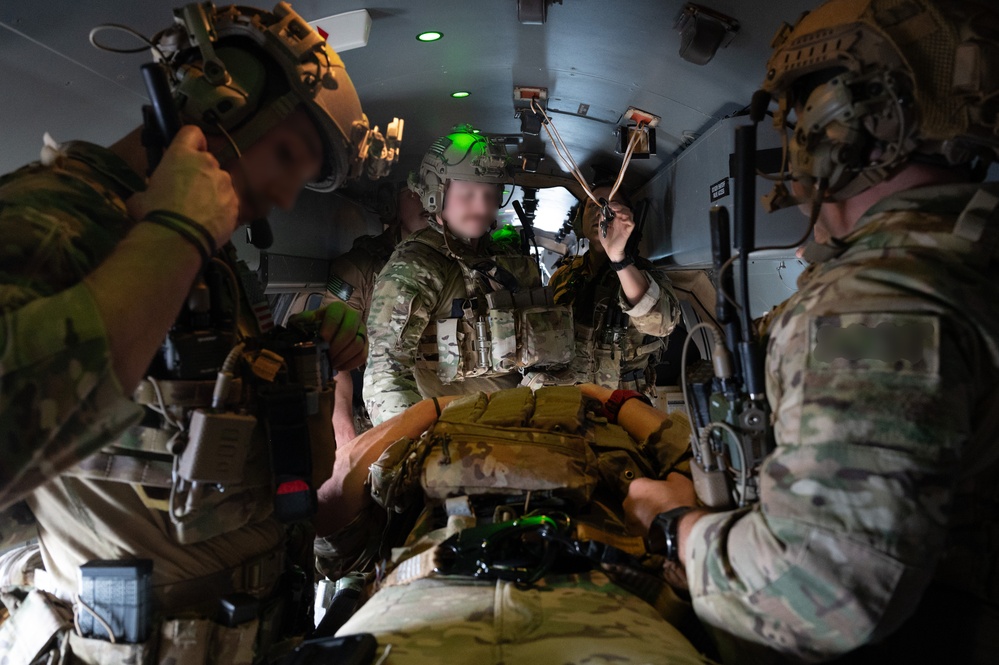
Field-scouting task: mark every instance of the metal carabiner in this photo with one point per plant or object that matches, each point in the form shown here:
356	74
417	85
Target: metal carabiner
606	216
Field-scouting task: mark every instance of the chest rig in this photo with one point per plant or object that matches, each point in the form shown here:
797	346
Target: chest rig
505	322
237	414
609	350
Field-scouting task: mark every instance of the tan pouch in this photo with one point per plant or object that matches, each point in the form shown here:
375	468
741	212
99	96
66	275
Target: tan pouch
477	460
545	336
450	335
95	651
185	641
607	372
503	336
235	645
34	627
393	475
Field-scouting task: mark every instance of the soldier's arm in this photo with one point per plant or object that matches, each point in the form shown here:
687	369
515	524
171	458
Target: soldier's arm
343	408
854	504
398	319
345	495
69	360
344	269
657	311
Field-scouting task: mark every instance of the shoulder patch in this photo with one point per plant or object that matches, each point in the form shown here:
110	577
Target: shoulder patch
897	343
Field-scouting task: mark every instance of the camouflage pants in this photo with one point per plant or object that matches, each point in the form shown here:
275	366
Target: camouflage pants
565	619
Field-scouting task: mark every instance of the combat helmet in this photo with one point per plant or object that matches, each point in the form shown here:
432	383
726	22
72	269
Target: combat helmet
877	83
238	71
463	154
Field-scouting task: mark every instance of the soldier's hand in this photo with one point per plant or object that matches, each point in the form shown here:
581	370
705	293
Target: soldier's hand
618	232
342	327
647	498
189	181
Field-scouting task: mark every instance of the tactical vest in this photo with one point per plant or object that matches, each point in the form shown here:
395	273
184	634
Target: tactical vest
212	459
609	350
506	321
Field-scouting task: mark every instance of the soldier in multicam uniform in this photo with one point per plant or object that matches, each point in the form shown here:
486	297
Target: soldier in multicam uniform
352	280
454	311
623	306
97	262
875	526
494	529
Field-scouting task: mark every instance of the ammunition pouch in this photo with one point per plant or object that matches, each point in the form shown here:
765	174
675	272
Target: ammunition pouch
528	329
519	330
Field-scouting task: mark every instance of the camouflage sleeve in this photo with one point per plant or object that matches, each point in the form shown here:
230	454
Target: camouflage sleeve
401	309
658	312
855	498
60	400
560	281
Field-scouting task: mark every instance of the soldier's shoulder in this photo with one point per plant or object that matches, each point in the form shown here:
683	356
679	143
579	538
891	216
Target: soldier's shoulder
374	246
425	247
568	265
417	262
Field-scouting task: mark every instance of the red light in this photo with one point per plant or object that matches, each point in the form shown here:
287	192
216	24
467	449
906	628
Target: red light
292	487
322	33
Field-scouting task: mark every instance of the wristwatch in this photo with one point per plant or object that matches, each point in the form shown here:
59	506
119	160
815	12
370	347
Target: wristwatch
617	399
663	536
623	263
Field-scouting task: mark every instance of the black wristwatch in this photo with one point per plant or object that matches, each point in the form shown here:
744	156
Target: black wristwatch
623	263
663	535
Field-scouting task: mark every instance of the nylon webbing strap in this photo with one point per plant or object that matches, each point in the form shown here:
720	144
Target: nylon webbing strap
414	568
125	469
189	394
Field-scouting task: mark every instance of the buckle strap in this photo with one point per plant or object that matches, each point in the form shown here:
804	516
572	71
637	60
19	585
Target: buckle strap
125	469
257	577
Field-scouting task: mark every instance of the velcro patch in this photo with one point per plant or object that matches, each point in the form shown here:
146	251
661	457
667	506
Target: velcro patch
898	343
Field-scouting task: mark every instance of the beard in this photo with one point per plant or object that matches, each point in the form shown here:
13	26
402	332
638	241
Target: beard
470	226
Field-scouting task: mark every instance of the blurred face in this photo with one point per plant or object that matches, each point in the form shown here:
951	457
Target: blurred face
274	170
470	207
591	216
410	213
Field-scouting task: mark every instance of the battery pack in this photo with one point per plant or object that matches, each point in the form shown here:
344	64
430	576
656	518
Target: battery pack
119	593
217	447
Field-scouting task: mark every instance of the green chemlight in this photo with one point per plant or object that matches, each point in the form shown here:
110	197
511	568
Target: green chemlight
429	36
458	94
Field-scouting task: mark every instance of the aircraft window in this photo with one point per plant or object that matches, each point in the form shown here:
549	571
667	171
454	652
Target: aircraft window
553	206
313	302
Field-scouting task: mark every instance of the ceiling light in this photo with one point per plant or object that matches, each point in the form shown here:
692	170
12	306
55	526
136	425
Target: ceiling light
458	94
429	36
345	31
